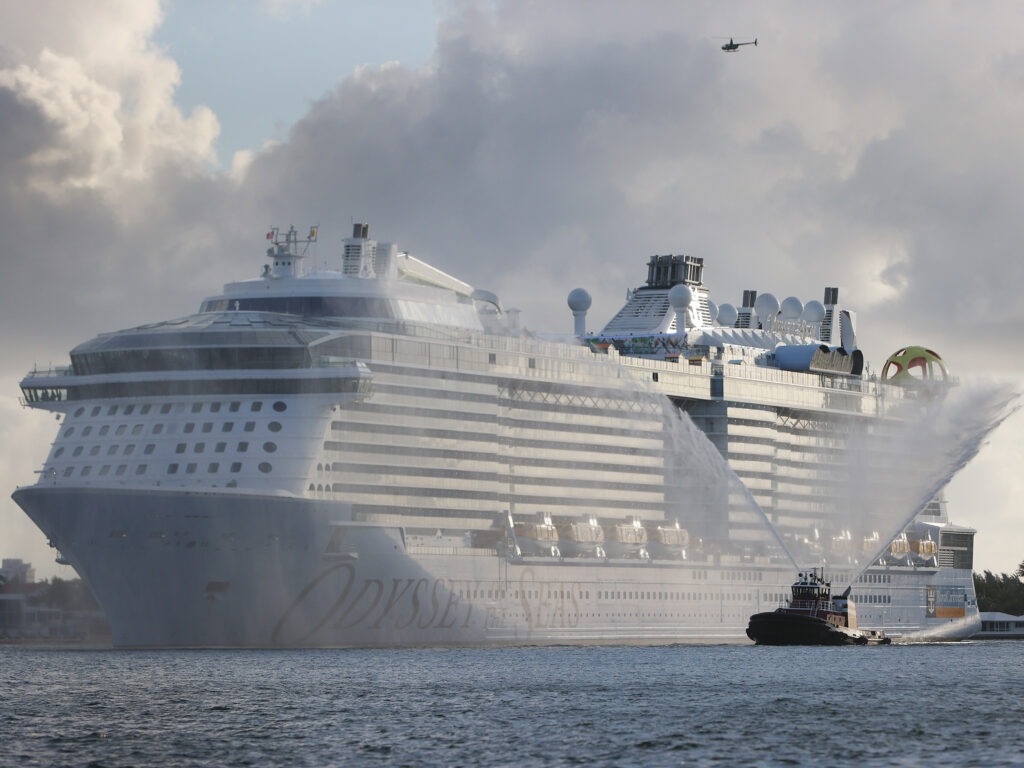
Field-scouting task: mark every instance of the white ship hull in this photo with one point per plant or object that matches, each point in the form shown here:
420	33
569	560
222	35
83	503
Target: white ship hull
221	569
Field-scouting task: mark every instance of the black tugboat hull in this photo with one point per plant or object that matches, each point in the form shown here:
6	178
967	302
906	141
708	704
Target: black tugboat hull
778	628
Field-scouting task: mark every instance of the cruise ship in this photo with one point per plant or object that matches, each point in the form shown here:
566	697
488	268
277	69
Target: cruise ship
374	453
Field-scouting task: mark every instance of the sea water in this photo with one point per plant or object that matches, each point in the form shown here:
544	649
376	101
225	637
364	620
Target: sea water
906	705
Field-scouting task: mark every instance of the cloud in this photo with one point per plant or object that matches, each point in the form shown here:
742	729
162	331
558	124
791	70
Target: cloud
107	96
534	154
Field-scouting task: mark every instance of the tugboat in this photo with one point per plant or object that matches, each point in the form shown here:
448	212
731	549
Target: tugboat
813	617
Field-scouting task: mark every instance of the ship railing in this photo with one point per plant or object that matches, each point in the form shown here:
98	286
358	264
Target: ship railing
812	607
49	373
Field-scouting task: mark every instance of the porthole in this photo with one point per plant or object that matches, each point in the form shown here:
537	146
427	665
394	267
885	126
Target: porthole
256	407
58	452
172	469
214	466
96	411
197	407
87	431
249	426
280	406
236	466
69	432
274	426
79	412
141	469
269	447
77	451
265	467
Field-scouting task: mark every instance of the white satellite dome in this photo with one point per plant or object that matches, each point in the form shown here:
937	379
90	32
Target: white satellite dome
727	315
814	311
579	300
713	311
680	297
792	308
766	305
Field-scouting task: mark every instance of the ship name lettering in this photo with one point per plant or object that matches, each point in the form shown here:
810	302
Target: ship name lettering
415	605
393	599
367	585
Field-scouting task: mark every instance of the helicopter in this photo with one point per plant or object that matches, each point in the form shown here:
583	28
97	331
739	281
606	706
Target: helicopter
732	47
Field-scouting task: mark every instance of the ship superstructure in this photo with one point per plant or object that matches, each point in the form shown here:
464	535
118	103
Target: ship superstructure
378	455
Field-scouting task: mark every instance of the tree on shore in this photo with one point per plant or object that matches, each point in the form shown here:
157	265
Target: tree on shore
1003	593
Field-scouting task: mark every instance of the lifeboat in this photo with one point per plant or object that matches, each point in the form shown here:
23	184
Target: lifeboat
899	550
627	539
538	537
669	541
926	549
582	538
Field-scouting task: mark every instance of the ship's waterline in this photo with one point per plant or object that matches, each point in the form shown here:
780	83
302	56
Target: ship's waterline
380	456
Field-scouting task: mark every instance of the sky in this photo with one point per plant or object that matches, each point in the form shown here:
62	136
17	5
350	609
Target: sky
528	148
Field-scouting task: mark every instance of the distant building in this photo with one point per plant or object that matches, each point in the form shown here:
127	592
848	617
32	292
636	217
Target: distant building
25	616
16	571
1000	626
